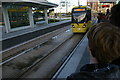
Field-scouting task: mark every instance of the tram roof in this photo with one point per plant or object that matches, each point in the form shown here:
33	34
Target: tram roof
82	7
37	3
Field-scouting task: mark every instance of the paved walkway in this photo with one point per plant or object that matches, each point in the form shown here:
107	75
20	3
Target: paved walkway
79	58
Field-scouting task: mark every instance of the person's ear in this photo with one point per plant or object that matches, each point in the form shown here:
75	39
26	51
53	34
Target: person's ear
92	59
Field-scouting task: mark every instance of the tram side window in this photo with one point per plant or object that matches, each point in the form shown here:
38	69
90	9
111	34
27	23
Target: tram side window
89	15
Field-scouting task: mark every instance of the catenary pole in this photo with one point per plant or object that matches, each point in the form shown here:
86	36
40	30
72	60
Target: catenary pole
78	3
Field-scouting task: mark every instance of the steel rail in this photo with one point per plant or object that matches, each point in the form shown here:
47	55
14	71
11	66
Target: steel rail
27	50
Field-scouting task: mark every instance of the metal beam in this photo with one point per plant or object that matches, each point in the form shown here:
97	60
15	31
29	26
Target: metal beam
46	16
6	19
31	2
31	20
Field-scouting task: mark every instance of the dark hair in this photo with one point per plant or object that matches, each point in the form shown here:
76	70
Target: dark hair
119	2
107	11
115	15
104	42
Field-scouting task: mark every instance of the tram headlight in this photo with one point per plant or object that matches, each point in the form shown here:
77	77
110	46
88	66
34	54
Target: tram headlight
73	26
84	26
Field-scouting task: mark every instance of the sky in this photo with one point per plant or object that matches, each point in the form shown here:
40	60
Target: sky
72	3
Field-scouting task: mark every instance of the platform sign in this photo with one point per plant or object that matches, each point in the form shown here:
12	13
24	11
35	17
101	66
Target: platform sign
79	9
17	10
21	9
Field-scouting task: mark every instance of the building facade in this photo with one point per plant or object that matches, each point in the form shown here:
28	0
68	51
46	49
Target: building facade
100	6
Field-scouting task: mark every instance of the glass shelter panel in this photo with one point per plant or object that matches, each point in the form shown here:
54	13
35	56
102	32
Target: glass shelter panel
39	16
1	18
18	17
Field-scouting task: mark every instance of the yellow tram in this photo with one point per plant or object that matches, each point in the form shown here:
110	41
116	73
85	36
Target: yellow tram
81	19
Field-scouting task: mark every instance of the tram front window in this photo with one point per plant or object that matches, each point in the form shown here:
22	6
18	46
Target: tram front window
79	17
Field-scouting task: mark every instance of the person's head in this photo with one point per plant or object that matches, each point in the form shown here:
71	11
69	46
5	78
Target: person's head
119	2
104	42
107	10
115	15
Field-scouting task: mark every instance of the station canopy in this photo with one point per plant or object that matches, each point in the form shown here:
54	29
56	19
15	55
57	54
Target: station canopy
101	0
42	4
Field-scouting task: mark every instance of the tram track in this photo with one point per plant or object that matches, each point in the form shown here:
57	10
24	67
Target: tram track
13	52
46	67
25	64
